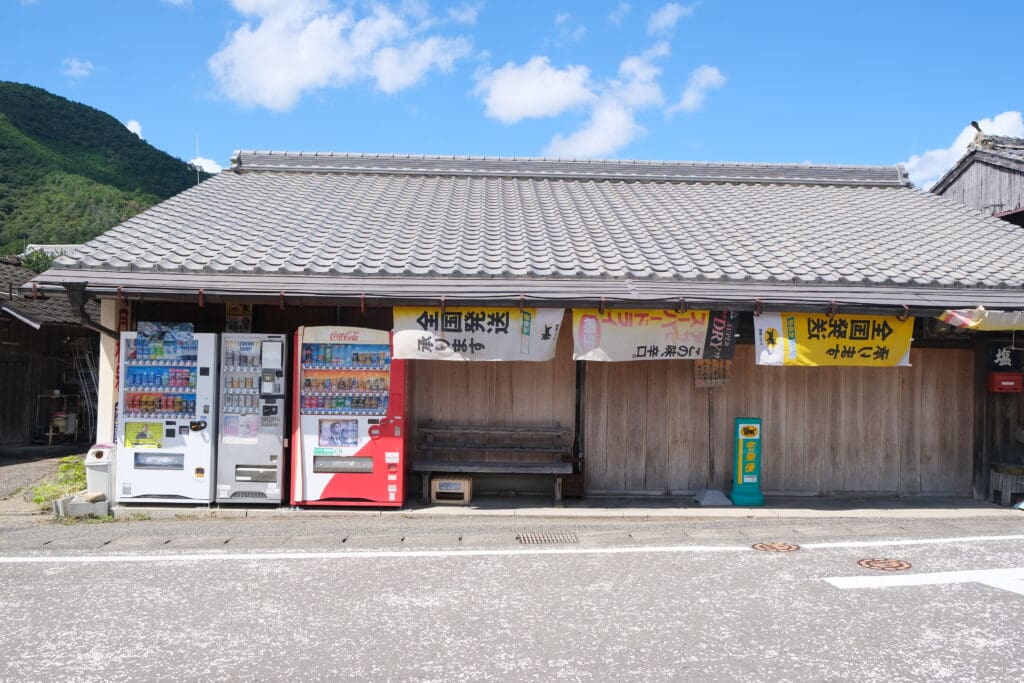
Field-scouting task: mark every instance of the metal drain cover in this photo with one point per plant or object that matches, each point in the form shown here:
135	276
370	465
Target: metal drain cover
884	564
776	547
547	537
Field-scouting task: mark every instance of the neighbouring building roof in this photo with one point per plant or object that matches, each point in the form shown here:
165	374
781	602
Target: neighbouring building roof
334	228
51	308
49	249
997	150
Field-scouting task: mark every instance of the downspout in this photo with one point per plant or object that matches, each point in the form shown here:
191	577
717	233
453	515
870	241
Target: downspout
77	298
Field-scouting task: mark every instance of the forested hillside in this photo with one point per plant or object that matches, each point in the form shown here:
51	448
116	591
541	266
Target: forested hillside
68	172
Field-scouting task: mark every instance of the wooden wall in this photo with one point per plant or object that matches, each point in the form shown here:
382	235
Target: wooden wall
898	431
992	189
496	393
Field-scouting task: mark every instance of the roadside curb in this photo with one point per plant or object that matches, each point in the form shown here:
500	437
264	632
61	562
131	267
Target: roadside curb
568	513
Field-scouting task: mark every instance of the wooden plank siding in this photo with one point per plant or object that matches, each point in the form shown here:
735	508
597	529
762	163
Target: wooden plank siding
989	188
645	428
896	431
495	393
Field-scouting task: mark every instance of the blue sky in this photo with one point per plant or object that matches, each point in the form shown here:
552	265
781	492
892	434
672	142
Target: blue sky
861	82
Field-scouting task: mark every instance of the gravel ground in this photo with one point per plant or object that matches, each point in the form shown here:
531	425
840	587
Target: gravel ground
18	474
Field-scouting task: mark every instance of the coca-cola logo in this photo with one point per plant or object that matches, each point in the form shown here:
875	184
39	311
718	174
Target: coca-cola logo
349	336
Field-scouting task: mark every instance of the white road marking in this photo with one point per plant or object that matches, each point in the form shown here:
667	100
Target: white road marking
369	554
401	554
1004	579
914	541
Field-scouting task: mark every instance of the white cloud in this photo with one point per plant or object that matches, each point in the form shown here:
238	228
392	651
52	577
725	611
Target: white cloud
924	169
135	127
702	79
638	86
296	46
208	165
77	68
611	127
665	18
396	69
178	3
619	13
533	90
537	89
568	30
465	14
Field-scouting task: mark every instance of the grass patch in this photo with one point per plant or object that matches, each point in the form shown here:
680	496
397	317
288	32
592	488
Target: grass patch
90	519
69	479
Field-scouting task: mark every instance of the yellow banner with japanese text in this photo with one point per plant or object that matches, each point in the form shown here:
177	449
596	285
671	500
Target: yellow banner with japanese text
818	339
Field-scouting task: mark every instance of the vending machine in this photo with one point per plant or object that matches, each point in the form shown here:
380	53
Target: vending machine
166	426
252	436
348	420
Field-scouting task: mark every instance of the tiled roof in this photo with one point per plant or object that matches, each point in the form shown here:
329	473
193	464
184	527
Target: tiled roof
49	308
1010	148
998	150
334	222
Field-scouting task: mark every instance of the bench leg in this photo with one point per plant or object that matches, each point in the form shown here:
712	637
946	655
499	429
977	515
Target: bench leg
558	490
425	477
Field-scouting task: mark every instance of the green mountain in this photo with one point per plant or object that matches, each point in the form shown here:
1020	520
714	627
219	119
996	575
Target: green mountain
68	172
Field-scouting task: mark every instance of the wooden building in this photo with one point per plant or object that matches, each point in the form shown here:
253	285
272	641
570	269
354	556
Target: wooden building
989	177
343	239
39	337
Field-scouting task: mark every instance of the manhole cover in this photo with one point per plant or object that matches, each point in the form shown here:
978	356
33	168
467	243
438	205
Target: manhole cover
776	547
884	564
547	537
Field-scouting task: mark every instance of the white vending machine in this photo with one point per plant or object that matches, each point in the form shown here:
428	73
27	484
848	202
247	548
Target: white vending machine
167	415
251	443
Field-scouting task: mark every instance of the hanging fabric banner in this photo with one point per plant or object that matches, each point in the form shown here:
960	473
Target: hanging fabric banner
466	333
813	339
643	334
981	319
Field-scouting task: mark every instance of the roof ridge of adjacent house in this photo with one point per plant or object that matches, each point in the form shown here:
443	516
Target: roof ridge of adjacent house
569	169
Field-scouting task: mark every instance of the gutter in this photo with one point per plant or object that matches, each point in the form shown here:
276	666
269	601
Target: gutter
14	313
77	298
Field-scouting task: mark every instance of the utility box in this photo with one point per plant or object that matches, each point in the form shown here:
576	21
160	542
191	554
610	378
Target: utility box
1005	382
449	490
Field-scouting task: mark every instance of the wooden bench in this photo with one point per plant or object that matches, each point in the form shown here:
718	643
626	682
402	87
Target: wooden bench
478	449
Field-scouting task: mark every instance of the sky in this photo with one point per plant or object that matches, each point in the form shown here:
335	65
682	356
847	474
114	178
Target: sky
799	81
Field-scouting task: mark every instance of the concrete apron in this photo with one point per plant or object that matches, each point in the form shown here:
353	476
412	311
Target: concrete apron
635	508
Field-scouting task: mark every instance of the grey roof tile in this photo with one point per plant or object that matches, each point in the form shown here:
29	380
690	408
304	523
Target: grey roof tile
365	216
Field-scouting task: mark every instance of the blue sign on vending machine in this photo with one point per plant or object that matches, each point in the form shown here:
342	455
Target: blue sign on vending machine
746	486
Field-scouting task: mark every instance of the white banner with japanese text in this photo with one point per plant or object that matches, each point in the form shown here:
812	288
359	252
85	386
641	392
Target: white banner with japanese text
468	333
641	334
817	339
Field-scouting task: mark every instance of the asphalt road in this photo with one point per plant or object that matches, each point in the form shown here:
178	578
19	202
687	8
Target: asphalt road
461	598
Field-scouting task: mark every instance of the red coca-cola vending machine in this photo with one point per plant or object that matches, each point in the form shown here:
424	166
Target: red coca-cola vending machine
348	445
